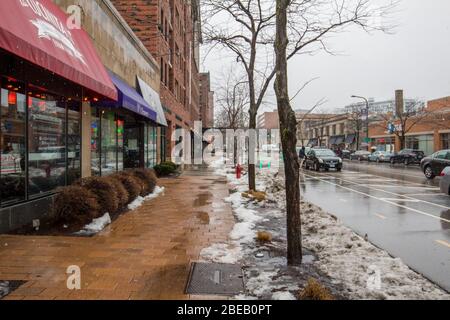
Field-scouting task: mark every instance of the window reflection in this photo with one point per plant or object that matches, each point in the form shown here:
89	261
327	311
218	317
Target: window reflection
12	142
109	143
46	138
95	142
73	142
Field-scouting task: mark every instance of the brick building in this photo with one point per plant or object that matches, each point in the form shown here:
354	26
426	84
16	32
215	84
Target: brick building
170	30
268	120
206	101
430	134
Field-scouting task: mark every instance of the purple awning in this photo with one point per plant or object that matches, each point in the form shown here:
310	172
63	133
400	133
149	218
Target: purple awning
130	99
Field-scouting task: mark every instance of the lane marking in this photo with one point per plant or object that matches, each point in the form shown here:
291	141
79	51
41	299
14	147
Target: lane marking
404	187
390	202
380	216
443	243
393	193
403	200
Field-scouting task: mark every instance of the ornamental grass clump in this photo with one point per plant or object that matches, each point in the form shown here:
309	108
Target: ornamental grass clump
148	179
75	204
105	192
315	291
122	193
131	184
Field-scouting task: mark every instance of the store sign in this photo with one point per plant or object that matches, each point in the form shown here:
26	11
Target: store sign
51	28
10	163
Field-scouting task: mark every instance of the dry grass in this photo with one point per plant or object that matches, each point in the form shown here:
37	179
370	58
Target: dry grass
255	195
264	236
315	291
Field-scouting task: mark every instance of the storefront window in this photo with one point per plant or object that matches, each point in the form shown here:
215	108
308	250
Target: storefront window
133	132
46	142
385	144
109	143
445	138
12	142
150	146
95	142
73	142
120	133
424	143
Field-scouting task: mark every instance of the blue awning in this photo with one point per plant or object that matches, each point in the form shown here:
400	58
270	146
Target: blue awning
130	99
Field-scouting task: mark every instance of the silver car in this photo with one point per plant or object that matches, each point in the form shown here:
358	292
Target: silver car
445	181
380	156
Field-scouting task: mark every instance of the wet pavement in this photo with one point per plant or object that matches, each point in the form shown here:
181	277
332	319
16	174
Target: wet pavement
145	254
395	206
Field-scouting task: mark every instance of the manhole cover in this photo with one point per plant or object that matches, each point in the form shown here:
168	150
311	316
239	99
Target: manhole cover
7	287
215	279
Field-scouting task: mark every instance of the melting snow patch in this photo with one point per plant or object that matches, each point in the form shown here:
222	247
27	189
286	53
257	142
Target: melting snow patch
139	201
285	296
96	225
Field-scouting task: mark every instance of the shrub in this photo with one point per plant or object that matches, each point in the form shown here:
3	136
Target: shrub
122	193
165	169
147	177
132	185
264	236
315	291
75	204
105	192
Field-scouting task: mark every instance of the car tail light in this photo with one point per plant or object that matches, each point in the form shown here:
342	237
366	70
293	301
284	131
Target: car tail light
442	174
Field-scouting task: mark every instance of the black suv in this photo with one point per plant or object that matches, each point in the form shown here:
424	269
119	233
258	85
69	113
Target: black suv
408	156
323	159
433	165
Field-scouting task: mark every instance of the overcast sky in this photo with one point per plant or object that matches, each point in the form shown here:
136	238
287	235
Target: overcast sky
416	59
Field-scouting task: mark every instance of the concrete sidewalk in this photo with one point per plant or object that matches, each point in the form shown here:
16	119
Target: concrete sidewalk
144	254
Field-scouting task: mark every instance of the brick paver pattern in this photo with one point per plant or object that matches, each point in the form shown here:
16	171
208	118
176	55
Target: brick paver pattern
144	254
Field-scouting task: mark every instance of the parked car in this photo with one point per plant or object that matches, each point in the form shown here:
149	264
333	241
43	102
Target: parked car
408	156
433	165
326	159
360	155
445	181
380	156
346	154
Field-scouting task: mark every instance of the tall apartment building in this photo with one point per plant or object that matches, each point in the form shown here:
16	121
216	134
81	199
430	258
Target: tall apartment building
171	31
206	101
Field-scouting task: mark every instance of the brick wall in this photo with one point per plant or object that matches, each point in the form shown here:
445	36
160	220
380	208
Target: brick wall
166	28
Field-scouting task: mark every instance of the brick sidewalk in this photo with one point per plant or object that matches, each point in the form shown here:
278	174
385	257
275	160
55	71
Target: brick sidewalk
144	254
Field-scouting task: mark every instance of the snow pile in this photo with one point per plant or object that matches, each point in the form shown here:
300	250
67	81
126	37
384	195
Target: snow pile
361	269
365	271
96	225
139	201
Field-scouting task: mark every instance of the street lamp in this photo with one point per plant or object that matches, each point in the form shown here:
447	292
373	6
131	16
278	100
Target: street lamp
367	116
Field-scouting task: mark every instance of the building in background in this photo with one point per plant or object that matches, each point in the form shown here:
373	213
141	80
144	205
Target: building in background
206	101
171	31
382	107
268	120
92	109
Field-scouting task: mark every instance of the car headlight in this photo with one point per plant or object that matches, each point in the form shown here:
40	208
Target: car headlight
340	160
320	161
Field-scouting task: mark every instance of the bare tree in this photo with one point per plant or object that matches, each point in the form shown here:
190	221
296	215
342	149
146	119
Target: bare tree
301	27
404	121
246	28
356	117
233	102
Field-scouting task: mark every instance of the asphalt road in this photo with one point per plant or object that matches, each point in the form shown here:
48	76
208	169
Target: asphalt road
395	206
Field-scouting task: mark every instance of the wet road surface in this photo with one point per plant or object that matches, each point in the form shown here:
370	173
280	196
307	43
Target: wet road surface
396	207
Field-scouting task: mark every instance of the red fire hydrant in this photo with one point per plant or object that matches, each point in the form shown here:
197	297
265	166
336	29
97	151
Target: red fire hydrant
238	171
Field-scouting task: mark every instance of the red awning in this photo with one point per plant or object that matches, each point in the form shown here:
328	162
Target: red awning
36	30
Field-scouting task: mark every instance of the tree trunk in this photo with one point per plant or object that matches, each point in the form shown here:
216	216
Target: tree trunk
251	166
288	127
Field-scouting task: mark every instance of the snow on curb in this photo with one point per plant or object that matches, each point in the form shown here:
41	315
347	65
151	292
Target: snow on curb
363	270
139	201
96	225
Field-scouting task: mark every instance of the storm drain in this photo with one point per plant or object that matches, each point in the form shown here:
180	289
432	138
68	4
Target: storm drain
7	287
215	279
